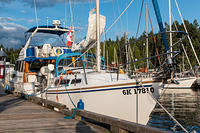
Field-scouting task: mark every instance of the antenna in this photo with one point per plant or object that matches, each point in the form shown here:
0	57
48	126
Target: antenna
65	13
36	18
47	21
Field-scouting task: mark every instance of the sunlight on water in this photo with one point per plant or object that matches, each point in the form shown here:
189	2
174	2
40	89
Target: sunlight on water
184	105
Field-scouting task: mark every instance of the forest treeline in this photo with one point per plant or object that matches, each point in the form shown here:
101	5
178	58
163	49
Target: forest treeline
137	47
116	51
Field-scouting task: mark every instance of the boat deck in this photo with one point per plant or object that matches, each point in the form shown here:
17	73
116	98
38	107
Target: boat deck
19	115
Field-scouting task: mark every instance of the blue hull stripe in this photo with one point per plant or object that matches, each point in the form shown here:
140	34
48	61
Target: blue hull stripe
129	87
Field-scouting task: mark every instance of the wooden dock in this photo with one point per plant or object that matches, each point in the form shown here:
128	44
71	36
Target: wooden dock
37	115
21	116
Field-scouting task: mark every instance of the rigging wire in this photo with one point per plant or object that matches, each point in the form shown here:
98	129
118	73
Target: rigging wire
187	32
139	18
126	20
119	16
172	117
174	22
36	18
121	25
71	12
65	13
72	21
114	14
182	44
90	1
90	8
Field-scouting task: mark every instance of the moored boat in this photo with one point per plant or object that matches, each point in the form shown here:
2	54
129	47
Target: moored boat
107	93
33	57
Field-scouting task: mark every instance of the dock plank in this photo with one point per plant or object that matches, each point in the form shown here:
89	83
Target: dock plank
21	116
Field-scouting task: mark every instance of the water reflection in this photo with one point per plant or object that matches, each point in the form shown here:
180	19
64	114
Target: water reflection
184	105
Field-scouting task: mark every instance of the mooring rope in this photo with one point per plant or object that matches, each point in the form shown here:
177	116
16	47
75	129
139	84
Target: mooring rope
75	108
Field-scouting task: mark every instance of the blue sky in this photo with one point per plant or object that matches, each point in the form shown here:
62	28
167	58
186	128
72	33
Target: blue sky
17	16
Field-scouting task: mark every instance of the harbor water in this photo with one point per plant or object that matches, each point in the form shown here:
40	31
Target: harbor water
184	105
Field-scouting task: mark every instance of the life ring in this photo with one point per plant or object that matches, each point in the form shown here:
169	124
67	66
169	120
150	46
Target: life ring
58	51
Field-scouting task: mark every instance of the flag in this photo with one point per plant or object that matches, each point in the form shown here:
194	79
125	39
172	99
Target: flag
69	38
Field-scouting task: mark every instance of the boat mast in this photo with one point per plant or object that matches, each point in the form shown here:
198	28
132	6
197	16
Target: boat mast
170	33
147	40
98	61
127	49
170	27
162	30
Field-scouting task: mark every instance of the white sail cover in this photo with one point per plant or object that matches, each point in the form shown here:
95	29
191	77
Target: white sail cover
91	33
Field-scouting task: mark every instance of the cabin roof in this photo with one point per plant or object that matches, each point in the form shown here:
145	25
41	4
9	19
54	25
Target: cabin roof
48	29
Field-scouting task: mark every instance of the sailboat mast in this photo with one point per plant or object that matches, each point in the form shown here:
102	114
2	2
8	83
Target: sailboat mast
162	30
170	27
126	47
147	40
98	61
170	33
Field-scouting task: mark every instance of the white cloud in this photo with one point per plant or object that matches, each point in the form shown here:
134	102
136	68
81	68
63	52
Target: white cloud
6	19
31	20
23	11
12	35
46	3
20	19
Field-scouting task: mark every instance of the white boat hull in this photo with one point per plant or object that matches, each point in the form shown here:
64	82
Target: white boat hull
184	83
116	100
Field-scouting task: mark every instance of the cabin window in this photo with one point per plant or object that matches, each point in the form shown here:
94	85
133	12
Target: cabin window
68	62
65	62
76	81
35	66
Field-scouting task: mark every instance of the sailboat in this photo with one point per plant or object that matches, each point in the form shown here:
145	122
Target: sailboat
184	79
101	91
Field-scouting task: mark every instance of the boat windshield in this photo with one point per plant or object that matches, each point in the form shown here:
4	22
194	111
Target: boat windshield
44	38
68	63
36	65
